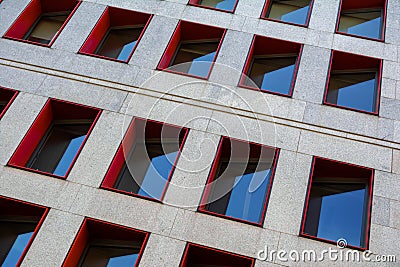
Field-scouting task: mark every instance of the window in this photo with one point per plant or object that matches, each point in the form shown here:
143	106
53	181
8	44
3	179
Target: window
354	82
289	11
116	34
363	18
338	203
7	96
104	244
55	139
240	181
42	21
19	224
222	5
192	49
271	66
146	159
196	255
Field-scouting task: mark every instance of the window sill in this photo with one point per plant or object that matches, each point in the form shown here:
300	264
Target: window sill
331	242
381	40
201	210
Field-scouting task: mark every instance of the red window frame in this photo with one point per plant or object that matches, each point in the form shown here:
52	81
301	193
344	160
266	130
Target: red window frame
354	5
266	8
369	206
8	95
269	46
108	231
234	260
196	3
32	13
52	108
190	31
15	207
213	172
123	151
348	61
113	17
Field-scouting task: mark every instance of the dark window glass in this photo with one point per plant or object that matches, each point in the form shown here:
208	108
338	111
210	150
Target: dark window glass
293	11
353	90
241	185
362	23
273	74
228	5
103	255
3	104
198	256
47	26
14	237
150	162
337	210
198	57
59	147
119	43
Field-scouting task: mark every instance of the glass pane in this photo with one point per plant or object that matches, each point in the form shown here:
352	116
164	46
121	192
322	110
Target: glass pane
367	24
46	28
59	148
103	256
241	187
294	11
273	74
150	163
201	56
14	237
119	43
337	211
228	5
358	91
2	106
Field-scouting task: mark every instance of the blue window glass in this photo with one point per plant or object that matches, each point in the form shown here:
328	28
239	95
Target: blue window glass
274	74
150	161
119	43
59	148
228	5
338	210
292	11
353	90
14	237
362	23
115	254
240	187
338	203
195	58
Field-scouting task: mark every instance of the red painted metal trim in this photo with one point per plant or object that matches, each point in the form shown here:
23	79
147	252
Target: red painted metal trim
182	35
9	101
249	59
39	224
119	160
109	19
211	177
378	84
189	245
36	132
196	3
11	35
83	236
369	208
65	23
384	15
267	7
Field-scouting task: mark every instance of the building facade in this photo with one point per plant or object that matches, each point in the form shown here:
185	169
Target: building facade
272	129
